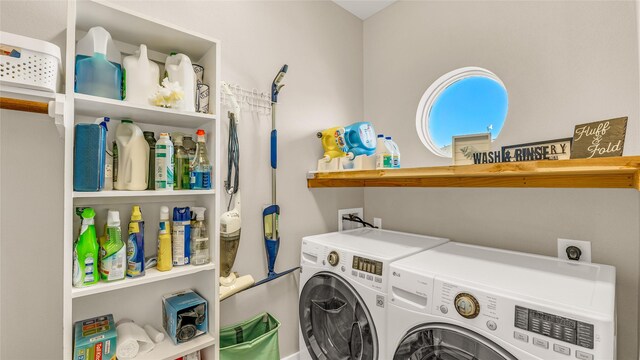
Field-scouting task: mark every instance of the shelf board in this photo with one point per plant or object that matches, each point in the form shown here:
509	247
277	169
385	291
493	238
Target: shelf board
142	193
614	172
26	94
167	350
117	109
152	275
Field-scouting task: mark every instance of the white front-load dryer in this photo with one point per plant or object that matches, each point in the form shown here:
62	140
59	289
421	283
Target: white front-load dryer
343	291
461	302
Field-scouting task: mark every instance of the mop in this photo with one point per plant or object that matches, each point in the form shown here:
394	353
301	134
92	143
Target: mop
230	221
271	214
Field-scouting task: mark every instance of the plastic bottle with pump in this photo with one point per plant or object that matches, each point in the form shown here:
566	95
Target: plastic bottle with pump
199	238
135	244
165	259
181	164
98	65
164	163
86	251
181	236
383	155
113	252
200	167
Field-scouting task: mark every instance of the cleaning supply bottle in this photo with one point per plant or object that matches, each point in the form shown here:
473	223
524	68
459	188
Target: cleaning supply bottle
165	259
151	174
199	238
190	146
114	151
384	159
98	65
86	251
357	139
181	167
113	252
181	236
135	244
178	68
200	167
133	157
396	153
389	143
142	77
90	155
164	163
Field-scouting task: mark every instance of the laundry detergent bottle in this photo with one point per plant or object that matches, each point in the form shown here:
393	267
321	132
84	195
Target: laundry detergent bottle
357	139
165	259
181	236
135	244
164	163
141	77
86	251
133	157
113	252
180	69
98	65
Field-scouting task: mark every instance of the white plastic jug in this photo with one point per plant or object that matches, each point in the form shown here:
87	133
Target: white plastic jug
141	77
98	40
179	69
133	157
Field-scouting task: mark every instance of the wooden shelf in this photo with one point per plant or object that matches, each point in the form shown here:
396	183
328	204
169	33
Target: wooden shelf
117	109
167	350
151	275
615	172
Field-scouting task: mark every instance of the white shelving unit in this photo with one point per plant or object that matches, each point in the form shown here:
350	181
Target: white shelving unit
139	299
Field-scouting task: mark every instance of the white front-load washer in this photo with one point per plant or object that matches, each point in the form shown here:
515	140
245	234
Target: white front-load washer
343	291
461	302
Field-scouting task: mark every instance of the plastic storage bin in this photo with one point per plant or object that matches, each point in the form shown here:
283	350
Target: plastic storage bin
255	339
29	63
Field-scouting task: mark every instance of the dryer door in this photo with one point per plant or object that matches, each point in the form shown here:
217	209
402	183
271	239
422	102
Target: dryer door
335	322
448	342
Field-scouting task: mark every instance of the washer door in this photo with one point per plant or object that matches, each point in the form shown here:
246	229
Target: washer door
448	342
335	322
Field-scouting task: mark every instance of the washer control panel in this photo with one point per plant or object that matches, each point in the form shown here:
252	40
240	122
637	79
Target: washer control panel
554	326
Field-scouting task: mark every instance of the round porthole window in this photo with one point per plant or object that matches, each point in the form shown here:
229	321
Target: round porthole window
465	101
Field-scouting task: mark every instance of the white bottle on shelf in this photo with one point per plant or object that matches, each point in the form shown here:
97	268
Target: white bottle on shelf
141	77
133	157
383	155
179	68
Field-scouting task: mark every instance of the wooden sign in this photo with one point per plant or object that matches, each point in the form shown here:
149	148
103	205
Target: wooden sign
599	139
559	149
463	147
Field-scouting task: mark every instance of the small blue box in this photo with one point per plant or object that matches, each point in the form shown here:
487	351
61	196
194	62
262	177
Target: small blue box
184	315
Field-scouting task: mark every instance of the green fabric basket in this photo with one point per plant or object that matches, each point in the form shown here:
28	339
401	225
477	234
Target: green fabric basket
255	339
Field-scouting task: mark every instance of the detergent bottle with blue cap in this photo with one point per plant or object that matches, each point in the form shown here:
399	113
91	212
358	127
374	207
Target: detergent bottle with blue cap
357	139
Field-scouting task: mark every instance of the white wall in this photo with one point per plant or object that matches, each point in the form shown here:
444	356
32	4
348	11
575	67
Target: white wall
563	63
322	44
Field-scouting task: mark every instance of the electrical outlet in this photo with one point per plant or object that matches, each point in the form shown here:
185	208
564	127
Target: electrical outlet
377	222
346	224
583	249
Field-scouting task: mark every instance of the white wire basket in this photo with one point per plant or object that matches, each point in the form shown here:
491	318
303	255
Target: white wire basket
29	63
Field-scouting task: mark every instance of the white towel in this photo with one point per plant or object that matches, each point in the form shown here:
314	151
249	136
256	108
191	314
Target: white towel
154	334
132	340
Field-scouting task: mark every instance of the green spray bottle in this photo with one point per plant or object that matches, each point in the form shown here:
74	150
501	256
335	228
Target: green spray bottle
86	250
113	252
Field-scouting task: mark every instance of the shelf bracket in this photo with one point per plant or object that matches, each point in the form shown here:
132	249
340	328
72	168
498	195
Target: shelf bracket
56	111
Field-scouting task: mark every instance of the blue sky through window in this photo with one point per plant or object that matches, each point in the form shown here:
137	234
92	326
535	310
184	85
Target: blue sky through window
469	106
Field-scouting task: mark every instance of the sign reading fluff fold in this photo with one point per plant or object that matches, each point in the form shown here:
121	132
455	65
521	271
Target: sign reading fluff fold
599	139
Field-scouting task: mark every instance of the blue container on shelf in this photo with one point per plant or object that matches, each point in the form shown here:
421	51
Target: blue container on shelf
89	156
357	139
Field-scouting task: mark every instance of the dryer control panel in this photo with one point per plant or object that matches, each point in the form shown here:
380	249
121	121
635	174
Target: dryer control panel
554	326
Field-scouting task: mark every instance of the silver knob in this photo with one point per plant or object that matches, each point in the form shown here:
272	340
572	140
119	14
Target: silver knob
333	258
